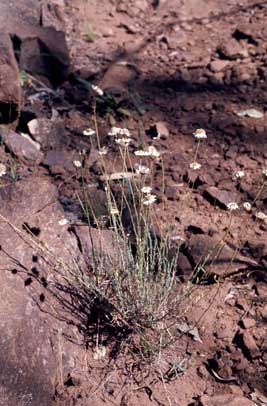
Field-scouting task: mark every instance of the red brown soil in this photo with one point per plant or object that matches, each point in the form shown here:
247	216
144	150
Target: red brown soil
190	64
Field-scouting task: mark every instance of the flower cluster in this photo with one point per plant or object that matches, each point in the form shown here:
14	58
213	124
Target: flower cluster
146	190
247	206
103	151
141	169
77	163
149	151
124	142
149	199
239	174
200	134
232	206
116	131
261	216
195	166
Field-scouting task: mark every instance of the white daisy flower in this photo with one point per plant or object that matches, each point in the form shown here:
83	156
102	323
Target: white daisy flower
150	199
232	206
103	151
247	206
77	163
89	132
153	151
123	141
146	190
239	174
142	169
261	216
63	222
200	134
2	170
195	166
97	90
119	131
141	153
150	151
114	211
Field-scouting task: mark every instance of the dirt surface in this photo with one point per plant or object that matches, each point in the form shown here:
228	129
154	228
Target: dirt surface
169	67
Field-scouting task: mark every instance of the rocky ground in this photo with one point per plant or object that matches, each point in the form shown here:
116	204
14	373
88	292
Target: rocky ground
168	67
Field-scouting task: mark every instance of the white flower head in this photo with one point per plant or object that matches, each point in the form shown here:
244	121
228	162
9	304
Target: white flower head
140	152
200	134
89	132
153	151
2	170
195	166
97	90
142	169
103	151
99	352
146	190
261	216
150	151
264	172
239	174
77	163
115	131
114	211
63	222
150	199
232	206
124	142
247	206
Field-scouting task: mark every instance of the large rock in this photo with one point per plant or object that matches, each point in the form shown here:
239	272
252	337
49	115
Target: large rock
220	197
46	55
38	349
10	91
40	50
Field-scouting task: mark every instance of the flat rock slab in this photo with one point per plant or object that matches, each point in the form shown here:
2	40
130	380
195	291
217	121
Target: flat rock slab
214	256
223	400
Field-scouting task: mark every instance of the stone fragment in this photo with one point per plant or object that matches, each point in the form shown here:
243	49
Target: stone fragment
253	113
232	49
220	197
10	89
60	161
158	130
118	77
213	256
248	323
48	133
46	54
218	65
249	346
22	146
257	247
